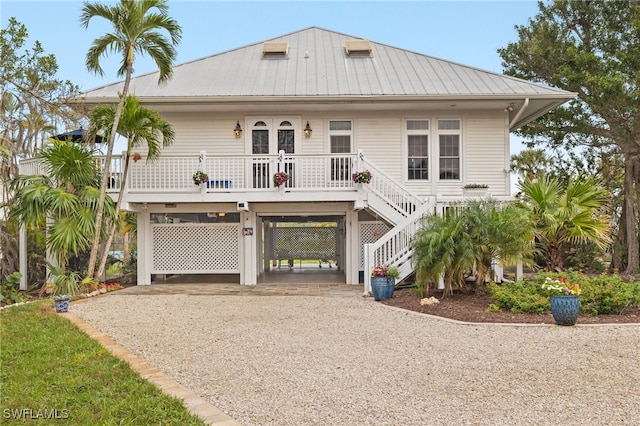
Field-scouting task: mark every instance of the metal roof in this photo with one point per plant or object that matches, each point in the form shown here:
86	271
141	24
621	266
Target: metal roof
317	64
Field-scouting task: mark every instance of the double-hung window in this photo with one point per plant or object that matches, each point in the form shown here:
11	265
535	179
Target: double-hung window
340	135
417	149
449	132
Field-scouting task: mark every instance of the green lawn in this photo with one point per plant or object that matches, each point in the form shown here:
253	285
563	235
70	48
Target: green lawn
53	372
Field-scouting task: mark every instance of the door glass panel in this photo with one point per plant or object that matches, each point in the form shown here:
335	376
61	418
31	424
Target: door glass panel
260	145
340	167
286	143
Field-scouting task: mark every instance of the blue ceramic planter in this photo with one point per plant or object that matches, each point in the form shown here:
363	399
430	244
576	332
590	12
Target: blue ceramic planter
382	287
565	309
62	305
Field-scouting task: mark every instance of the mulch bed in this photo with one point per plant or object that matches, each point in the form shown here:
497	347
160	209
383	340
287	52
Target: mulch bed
471	307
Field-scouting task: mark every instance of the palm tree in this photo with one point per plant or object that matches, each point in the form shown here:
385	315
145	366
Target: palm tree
67	197
142	127
572	215
471	237
137	29
442	248
500	232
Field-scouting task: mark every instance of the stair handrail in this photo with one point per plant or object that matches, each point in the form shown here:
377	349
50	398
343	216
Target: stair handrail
394	247
401	199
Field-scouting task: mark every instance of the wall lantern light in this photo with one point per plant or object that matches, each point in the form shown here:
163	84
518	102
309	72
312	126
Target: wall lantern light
237	130
307	130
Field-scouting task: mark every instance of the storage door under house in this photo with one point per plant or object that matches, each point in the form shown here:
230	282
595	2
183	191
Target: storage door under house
195	243
270	136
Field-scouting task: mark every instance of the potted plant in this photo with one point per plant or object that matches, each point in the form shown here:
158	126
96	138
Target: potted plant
280	178
363	176
200	177
564	299
61	302
383	280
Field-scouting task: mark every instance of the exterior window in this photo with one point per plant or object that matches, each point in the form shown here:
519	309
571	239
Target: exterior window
286	140
417	149
340	143
449	144
260	139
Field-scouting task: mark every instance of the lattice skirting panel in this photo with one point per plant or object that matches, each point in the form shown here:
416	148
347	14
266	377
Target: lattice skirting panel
305	242
196	248
370	232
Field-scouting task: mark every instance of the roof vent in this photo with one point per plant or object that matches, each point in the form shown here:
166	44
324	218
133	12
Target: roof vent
358	47
275	48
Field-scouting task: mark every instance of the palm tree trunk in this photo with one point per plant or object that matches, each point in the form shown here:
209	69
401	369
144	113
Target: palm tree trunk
112	231
105	179
125	247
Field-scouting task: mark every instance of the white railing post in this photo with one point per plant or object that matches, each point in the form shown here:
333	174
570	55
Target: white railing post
359	161
368	266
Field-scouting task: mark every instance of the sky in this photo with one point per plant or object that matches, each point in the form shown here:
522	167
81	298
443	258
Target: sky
466	32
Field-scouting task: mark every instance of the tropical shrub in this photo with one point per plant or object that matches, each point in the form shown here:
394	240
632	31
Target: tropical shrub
566	216
469	238
602	294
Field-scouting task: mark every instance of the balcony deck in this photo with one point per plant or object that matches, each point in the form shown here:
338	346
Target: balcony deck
323	177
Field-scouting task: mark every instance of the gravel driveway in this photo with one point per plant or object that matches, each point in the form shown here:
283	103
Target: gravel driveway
305	360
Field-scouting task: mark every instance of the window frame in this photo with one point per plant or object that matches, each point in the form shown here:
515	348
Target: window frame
342	171
417	132
449	132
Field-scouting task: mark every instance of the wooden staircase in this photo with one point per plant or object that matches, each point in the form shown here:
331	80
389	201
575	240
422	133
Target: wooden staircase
398	206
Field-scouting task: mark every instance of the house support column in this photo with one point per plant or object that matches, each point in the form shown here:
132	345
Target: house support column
22	242
352	255
145	254
249	249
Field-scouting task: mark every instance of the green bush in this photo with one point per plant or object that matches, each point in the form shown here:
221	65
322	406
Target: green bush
602	294
10	290
520	297
609	295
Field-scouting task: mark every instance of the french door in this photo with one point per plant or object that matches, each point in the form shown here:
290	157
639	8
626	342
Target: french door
268	136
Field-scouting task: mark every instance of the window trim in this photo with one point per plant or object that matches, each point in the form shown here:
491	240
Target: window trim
459	133
406	133
350	133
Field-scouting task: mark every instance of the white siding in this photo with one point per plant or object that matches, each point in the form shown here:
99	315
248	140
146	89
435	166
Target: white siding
484	153
204	132
316	143
381	139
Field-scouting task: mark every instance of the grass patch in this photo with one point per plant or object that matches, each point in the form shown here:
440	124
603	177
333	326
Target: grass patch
52	369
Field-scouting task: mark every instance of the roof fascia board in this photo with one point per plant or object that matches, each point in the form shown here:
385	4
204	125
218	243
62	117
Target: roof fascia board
560	98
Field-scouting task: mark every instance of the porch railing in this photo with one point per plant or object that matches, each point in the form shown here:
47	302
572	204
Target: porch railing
35	166
395	194
226	173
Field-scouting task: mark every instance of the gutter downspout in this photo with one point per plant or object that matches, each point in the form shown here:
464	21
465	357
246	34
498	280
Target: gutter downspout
524	107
